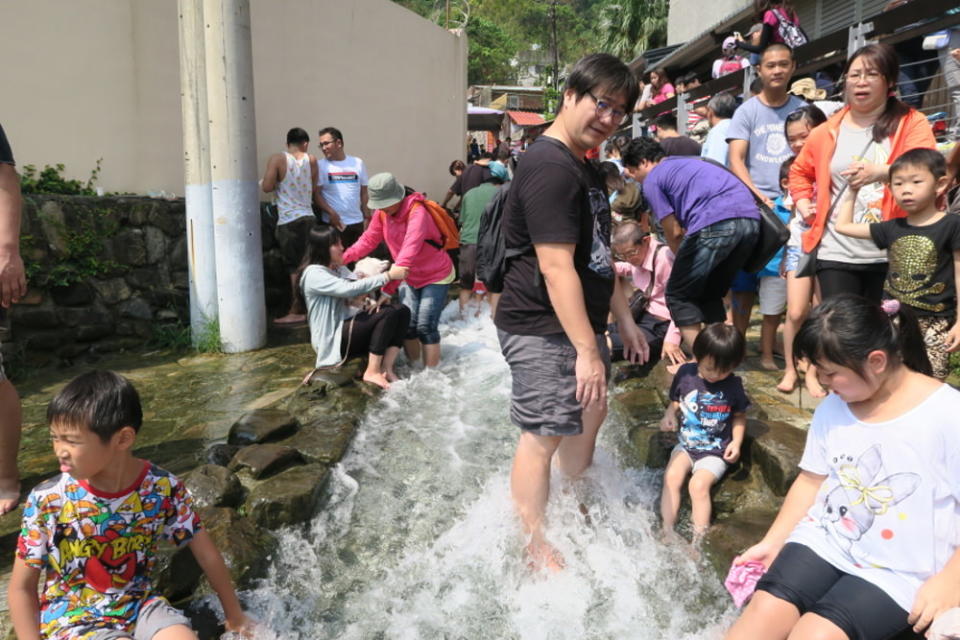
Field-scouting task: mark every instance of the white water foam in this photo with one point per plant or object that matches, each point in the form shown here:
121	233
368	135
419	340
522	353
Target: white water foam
419	538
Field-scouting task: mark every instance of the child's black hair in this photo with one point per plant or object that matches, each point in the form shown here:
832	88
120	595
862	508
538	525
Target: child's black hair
785	168
845	328
929	159
641	149
811	113
723	343
101	401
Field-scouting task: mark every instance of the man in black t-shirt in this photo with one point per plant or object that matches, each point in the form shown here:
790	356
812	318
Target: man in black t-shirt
473	176
557	294
13	285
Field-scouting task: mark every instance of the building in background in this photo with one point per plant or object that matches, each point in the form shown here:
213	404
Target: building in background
100	79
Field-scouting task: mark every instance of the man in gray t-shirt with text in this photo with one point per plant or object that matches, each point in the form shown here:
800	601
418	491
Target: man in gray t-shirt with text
757	144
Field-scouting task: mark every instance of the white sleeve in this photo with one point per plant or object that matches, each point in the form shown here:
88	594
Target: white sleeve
716	67
744	63
321	171
362	172
815	457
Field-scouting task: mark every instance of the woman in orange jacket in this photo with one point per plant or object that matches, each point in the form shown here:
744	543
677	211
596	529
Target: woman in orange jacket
856	146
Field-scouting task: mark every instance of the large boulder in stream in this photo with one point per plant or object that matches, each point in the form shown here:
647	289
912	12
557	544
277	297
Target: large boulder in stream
214	486
262	425
730	536
324	441
263	460
289	497
776	447
243	543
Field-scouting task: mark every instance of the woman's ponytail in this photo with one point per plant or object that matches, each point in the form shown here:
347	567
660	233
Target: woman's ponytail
913	351
844	329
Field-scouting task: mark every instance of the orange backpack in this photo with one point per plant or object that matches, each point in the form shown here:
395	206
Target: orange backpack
449	234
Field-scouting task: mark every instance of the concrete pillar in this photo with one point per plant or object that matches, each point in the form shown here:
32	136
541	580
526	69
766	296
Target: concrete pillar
196	166
233	174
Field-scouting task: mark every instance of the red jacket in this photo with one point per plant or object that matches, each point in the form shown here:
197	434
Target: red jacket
812	167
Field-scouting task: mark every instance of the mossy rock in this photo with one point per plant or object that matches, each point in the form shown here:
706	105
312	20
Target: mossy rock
264	460
240	540
776	448
262	425
731	535
289	497
324	441
211	485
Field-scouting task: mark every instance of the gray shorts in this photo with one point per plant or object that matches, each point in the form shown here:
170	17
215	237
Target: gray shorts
714	464
543	397
154	617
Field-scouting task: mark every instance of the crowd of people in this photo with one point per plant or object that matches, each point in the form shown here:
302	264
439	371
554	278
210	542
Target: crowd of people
647	256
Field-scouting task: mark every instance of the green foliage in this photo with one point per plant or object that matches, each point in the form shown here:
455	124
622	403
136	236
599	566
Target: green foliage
178	336
170	335
209	339
551	103
491	51
630	27
51	180
83	250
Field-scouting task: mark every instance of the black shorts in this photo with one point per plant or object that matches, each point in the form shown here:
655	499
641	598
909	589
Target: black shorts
862	610
292	239
468	266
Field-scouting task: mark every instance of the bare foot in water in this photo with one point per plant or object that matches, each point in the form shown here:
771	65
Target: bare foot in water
542	555
390	376
769	365
670	537
788	382
9	495
290	318
378	379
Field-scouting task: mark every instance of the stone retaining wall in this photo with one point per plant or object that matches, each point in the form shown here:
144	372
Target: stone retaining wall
105	274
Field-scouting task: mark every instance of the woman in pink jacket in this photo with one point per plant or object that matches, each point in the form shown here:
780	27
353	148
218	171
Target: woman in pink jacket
415	242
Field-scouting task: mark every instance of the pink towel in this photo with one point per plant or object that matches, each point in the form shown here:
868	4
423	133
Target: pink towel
742	580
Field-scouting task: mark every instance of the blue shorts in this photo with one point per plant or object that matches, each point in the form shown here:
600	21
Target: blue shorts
745	282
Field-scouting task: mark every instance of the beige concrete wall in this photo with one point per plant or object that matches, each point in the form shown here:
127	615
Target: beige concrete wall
100	78
689	18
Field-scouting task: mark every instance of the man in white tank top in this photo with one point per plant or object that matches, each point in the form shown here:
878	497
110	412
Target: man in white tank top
292	176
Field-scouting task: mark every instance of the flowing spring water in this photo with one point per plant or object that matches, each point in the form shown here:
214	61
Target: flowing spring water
419	539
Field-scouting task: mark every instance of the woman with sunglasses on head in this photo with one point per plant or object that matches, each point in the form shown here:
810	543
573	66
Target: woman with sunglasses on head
856	146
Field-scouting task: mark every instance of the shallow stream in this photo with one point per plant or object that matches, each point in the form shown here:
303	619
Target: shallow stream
419	540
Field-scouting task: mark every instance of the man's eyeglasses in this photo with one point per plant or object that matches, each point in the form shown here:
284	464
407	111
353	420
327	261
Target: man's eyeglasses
605	109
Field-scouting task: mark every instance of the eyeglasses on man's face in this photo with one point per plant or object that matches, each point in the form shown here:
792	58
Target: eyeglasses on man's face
605	109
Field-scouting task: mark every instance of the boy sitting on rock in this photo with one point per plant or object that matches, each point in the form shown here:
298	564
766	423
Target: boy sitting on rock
94	529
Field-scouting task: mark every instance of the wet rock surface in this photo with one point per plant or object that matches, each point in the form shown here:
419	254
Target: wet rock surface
214	486
289	497
262	425
264	460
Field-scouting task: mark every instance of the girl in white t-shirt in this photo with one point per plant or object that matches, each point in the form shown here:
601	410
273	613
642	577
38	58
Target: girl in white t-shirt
865	544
